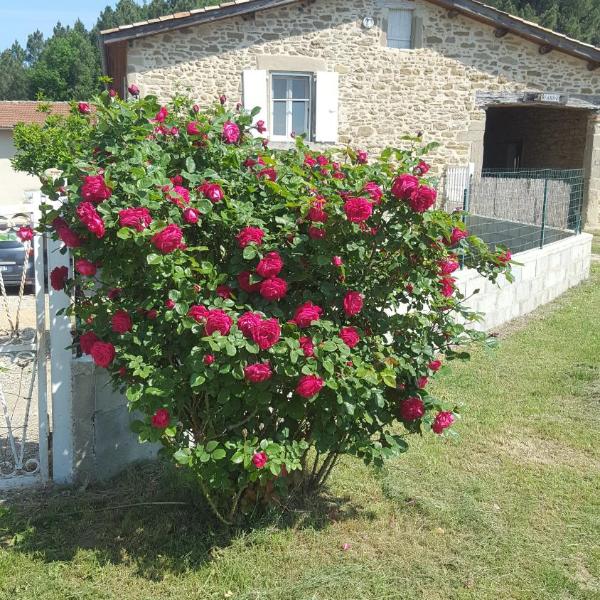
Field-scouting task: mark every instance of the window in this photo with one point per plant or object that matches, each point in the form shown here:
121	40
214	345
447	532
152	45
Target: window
291	100
400	28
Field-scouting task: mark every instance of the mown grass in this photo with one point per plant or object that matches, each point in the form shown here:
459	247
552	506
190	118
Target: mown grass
511	509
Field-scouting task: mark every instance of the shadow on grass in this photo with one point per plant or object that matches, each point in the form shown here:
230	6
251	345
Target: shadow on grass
151	517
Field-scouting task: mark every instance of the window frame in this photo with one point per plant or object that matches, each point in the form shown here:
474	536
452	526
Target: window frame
411	14
407	5
309	101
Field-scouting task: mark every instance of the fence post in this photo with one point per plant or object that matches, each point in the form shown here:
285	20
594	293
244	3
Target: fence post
60	370
544	209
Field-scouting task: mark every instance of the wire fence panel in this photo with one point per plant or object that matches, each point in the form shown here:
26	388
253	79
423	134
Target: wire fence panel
521	209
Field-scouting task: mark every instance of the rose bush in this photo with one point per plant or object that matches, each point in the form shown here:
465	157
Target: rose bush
267	311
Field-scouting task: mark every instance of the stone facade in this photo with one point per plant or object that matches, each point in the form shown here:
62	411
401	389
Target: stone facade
384	92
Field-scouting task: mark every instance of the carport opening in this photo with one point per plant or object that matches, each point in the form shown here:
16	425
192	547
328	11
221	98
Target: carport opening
534	137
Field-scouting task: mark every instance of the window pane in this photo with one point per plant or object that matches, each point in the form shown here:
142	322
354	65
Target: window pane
279	88
399	28
279	118
300	88
300	117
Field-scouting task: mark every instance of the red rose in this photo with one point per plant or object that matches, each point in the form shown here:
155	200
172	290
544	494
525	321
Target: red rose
422	382
89	216
161	115
412	409
190	215
94	189
273	289
192	128
358	209
168	239
336	261
231	132
374	191
259	459
169	304
307	346
447	284
307	314
213	191
66	234
258	372
270	265
260	126
447	266
456	235
266	333
361	157
85	267
224	291
309	386
152	314
248	322
422	168
133	89
87	340
244	283
103	353
197	312
505	257
218	320
25	233
84	108
353	303
316	233
422	199
161	418
317	213
309	161
138	218
209	359
179	195
121	322
435	365
268	173
349	336
404	185
442	421
58	278
250	235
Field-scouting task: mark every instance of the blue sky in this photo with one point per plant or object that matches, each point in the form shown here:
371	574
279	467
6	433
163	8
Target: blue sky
18	18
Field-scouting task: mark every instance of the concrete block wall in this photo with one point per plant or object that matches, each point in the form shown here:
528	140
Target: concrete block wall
103	443
544	274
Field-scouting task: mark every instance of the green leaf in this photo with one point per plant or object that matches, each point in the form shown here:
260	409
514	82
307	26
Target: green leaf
124	233
154	259
182	456
197	380
210	447
249	252
190	165
237	458
219	454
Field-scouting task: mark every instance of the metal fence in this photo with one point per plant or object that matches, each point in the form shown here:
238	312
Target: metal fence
520	209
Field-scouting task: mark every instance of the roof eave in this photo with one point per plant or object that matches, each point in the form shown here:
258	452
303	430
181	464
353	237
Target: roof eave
545	38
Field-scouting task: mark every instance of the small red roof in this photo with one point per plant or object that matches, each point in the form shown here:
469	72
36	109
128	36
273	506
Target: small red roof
24	111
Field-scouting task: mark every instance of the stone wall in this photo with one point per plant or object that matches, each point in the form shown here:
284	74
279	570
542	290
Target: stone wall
544	274
384	92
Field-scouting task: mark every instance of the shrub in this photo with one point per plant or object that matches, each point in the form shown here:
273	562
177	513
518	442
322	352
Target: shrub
266	311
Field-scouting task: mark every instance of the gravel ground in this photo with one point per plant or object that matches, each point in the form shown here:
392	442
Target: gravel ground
18	407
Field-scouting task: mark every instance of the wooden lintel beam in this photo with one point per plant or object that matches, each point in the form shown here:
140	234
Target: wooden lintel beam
500	32
452	13
249	16
545	49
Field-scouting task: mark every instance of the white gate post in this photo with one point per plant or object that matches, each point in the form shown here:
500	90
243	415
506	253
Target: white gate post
40	310
60	369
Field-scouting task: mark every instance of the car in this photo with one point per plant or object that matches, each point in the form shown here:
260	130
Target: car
12	259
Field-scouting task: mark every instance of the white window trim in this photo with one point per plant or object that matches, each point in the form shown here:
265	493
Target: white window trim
311	99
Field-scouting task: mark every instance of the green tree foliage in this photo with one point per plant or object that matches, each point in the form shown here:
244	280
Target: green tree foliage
67	65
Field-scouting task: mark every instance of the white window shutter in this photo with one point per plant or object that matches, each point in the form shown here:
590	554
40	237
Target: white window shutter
254	83
326	109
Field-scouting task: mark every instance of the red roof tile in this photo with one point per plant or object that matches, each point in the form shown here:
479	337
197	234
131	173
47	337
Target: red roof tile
13	112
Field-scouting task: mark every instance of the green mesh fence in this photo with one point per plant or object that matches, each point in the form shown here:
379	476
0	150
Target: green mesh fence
525	208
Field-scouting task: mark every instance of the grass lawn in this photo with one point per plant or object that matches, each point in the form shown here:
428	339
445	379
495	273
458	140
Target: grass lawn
511	509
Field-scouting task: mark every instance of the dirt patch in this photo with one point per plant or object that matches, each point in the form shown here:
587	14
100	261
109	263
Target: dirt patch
534	450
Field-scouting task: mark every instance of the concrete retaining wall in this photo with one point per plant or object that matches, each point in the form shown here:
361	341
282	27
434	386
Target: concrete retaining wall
103	443
544	275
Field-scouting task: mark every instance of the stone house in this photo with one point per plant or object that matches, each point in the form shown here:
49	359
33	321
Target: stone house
495	90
